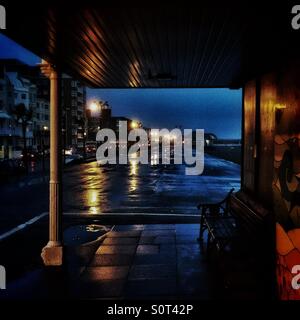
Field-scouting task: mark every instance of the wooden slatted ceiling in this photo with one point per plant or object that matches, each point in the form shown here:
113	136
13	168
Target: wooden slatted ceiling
165	46
168	48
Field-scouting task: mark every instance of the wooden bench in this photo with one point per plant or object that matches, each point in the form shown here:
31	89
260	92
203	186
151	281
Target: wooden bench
232	219
241	232
217	220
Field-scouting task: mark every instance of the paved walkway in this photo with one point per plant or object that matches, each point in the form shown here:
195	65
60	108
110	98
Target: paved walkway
139	261
148	261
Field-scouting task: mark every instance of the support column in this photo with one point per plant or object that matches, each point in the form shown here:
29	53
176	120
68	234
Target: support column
52	254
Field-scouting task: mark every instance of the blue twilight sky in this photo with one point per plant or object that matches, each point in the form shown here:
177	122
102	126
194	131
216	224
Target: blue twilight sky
214	110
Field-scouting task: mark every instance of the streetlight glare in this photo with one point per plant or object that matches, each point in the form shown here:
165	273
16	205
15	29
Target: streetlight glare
134	124
93	106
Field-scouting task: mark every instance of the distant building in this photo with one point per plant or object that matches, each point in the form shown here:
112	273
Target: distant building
116	124
99	116
14	89
73	105
37	91
42	124
105	117
41	118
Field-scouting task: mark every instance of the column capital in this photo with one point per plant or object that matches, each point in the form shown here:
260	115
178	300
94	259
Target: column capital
48	70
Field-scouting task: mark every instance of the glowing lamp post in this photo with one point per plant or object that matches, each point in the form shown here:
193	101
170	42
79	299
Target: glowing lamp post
45	129
134	124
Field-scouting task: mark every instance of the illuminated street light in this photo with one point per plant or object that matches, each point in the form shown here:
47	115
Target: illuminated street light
45	128
94	106
134	124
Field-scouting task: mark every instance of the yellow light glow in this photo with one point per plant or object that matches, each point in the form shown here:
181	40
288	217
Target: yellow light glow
133	184
93	210
134	124
133	167
133	155
154	159
93	106
45	128
154	162
92	201
93	197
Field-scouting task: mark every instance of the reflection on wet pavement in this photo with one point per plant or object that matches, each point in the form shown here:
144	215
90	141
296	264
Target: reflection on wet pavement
139	188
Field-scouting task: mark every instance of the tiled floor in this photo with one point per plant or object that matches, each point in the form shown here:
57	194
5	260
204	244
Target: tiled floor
148	261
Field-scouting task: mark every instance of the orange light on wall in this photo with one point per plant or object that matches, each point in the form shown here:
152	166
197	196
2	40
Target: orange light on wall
280	106
279	109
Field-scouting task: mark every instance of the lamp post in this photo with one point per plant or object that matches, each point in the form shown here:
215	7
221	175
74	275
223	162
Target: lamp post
94	108
134	124
84	143
63	130
45	129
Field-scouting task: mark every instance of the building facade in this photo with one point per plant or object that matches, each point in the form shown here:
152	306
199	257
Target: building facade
14	90
73	105
20	83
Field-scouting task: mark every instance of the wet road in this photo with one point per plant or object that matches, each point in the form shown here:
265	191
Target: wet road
133	188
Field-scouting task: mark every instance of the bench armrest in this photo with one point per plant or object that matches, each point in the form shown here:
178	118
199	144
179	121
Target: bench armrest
216	204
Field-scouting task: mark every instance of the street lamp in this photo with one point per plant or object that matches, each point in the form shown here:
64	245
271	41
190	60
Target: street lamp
134	124
45	129
94	106
64	134
84	145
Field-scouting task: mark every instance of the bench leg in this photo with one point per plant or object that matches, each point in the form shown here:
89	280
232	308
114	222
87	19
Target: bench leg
208	245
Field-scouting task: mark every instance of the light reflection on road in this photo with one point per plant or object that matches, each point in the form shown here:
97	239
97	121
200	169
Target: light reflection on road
146	188
92	201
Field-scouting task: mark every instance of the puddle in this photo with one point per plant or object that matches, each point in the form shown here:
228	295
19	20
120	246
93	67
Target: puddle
81	234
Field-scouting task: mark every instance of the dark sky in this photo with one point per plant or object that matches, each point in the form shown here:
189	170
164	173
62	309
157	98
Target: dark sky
214	110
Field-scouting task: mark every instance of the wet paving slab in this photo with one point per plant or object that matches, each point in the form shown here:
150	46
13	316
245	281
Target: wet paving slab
148	263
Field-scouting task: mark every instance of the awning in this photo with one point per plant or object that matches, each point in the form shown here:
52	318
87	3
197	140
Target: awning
171	45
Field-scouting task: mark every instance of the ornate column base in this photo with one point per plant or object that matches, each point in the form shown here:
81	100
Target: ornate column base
52	254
